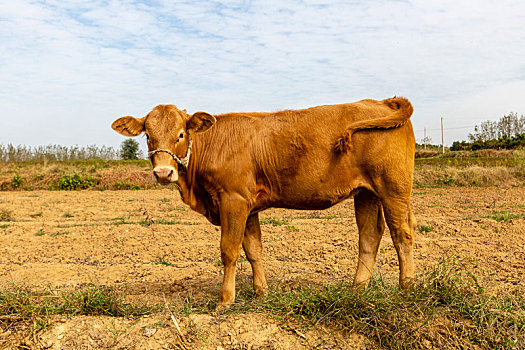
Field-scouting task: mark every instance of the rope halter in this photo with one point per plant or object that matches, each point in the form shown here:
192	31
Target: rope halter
182	162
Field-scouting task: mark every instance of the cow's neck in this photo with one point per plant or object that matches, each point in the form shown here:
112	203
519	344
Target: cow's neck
193	192
187	193
187	184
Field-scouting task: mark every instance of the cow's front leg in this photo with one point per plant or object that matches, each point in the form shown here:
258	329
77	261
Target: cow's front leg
234	214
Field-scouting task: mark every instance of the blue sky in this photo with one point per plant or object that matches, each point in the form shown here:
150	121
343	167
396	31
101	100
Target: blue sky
69	68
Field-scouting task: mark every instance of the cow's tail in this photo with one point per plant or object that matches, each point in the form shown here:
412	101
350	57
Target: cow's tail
402	110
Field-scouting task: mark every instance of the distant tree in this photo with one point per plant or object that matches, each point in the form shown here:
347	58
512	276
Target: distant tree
508	126
426	141
129	149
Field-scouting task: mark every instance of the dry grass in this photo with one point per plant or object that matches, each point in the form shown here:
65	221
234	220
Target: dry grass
97	174
471	176
25	312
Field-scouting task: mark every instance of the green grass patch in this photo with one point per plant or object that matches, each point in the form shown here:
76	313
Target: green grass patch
318	215
178	209
161	261
59	233
424	228
122	221
164	222
36	215
124	185
147	223
437	206
24	306
4	226
505	216
273	221
292	228
77	225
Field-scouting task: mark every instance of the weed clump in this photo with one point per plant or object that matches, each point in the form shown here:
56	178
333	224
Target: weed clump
124	185
6	215
505	216
424	228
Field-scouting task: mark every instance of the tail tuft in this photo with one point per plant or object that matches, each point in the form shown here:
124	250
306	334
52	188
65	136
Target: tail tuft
344	143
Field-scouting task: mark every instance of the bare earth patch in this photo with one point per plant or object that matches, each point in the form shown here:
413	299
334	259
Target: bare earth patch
151	243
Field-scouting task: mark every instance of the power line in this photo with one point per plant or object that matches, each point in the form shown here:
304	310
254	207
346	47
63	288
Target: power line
459	127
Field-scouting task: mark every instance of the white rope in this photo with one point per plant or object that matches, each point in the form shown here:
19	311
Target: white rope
184	161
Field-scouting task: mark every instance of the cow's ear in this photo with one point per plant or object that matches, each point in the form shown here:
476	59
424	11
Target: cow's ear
200	121
129	126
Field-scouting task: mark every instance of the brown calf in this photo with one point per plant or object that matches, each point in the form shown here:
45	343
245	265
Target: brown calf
230	167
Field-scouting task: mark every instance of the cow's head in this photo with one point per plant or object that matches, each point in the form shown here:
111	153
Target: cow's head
167	131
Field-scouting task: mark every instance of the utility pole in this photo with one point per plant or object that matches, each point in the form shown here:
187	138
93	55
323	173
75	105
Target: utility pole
425	138
442	137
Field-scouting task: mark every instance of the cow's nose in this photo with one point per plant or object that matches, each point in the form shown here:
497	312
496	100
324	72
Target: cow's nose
163	174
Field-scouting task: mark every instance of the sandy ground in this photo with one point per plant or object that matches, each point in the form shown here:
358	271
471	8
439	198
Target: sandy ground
70	239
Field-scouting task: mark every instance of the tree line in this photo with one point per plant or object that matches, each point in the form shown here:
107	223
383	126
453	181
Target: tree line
129	149
506	133
21	153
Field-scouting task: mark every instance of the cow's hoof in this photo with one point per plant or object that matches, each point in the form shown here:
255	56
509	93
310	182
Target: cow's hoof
406	283
222	307
361	285
261	293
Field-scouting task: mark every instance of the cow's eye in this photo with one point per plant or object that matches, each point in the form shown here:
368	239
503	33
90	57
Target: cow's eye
181	135
147	136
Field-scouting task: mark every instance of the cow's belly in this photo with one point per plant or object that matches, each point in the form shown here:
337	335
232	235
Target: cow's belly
314	187
312	199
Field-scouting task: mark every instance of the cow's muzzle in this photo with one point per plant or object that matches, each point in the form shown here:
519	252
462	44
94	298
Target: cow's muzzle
165	174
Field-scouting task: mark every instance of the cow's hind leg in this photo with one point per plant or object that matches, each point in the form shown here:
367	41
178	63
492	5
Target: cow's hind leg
234	215
253	248
402	225
371	225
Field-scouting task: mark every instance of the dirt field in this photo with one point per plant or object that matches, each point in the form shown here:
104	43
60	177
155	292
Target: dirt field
70	239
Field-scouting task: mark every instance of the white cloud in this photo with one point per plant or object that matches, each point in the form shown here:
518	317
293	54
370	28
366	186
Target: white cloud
70	67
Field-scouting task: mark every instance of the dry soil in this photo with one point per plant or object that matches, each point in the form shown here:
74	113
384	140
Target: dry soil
70	239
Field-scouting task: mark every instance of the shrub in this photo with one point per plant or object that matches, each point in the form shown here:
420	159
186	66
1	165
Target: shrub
16	181
446	180
75	182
